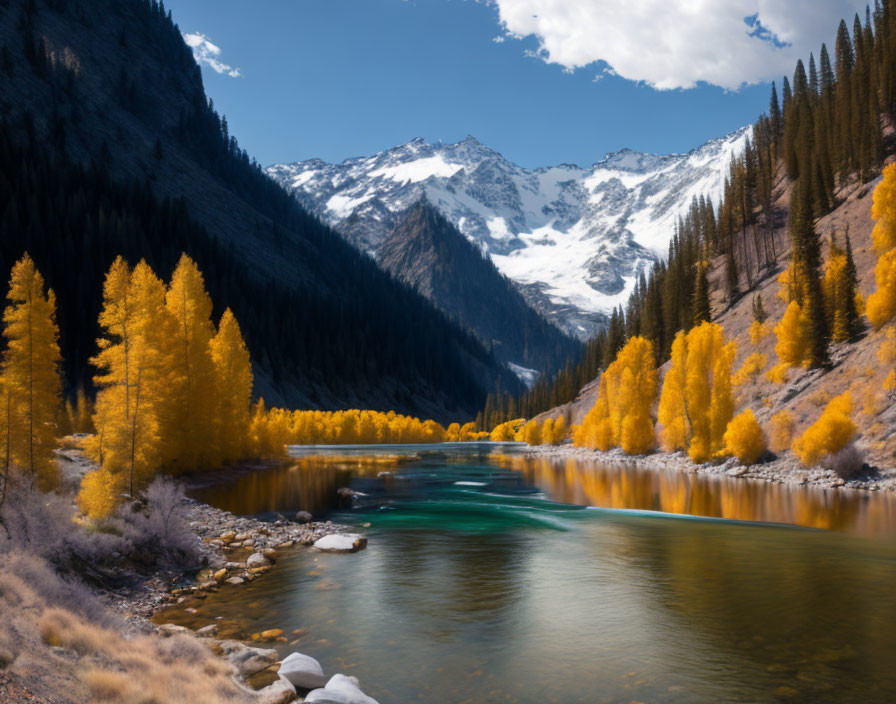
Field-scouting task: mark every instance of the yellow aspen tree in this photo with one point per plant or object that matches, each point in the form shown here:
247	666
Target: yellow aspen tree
744	438
558	432
233	380
886	355
881	305
530	433
832	432
792	347
621	414
547	432
30	372
721	408
596	429
749	371
672	413
191	442
780	431
708	389
883	210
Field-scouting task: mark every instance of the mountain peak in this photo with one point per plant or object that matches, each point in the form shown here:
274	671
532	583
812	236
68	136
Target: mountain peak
574	239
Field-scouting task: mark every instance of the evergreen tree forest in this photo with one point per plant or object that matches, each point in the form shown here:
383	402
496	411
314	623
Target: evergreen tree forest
825	130
326	327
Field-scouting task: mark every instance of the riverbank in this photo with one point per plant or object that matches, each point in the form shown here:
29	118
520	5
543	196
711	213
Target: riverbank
81	597
780	470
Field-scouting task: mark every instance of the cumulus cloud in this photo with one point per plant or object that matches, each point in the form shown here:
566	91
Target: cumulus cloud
205	52
679	43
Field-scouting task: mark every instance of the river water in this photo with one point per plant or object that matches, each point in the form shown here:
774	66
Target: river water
490	577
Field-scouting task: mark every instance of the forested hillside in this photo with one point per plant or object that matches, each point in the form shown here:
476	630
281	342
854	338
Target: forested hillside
110	146
426	251
828	132
796	264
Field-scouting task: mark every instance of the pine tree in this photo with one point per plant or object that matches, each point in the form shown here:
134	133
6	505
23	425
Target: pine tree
30	373
233	379
806	260
701	310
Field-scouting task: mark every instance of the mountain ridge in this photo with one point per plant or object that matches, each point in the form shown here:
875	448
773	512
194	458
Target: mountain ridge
574	239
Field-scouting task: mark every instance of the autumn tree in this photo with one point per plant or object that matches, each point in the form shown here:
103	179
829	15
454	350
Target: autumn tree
30	373
744	438
136	366
621	414
830	434
697	402
191	441
881	305
233	388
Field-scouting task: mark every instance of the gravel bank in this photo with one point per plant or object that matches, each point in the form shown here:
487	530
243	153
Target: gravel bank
781	470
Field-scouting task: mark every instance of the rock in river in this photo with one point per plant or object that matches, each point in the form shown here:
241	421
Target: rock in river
303	671
256	559
348	542
339	690
303	517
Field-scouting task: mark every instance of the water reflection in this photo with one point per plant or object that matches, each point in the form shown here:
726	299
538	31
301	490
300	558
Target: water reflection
311	482
484	583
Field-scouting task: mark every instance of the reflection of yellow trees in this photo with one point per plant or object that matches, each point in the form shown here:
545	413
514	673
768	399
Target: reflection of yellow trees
671	491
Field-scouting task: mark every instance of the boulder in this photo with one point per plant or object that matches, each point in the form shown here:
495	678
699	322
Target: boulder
349	542
303	517
208	631
248	660
339	690
256	559
280	692
303	671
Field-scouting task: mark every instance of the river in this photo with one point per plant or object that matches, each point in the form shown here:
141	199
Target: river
492	577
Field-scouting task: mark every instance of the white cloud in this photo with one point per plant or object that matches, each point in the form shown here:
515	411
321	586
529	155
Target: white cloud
205	52
678	43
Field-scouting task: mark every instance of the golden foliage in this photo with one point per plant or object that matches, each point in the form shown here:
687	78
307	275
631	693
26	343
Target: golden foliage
621	415
881	305
744	438
832	432
750	370
758	332
780	431
357	427
530	433
792	347
30	378
697	403
233	387
506	432
100	492
883	210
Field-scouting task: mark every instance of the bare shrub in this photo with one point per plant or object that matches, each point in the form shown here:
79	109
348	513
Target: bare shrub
847	463
156	530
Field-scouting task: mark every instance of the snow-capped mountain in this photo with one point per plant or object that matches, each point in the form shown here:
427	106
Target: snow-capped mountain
574	239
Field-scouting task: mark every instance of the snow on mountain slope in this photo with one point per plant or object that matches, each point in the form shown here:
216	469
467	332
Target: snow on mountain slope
574	239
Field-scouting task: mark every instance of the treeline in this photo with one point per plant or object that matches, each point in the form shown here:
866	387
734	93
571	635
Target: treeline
827	125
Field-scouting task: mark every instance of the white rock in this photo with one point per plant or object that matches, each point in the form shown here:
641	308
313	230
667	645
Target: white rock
349	542
280	692
339	690
256	559
303	671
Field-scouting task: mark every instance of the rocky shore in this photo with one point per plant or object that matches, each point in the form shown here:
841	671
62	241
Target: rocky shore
778	470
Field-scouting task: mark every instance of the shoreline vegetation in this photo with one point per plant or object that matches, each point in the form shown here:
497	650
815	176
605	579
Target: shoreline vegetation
786	470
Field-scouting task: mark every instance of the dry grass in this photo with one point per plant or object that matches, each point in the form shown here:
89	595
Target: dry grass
55	640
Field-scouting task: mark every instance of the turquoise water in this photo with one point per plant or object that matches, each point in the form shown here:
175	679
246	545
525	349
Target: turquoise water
492	578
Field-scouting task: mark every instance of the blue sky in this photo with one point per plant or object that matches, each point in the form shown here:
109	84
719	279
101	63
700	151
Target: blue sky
340	78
